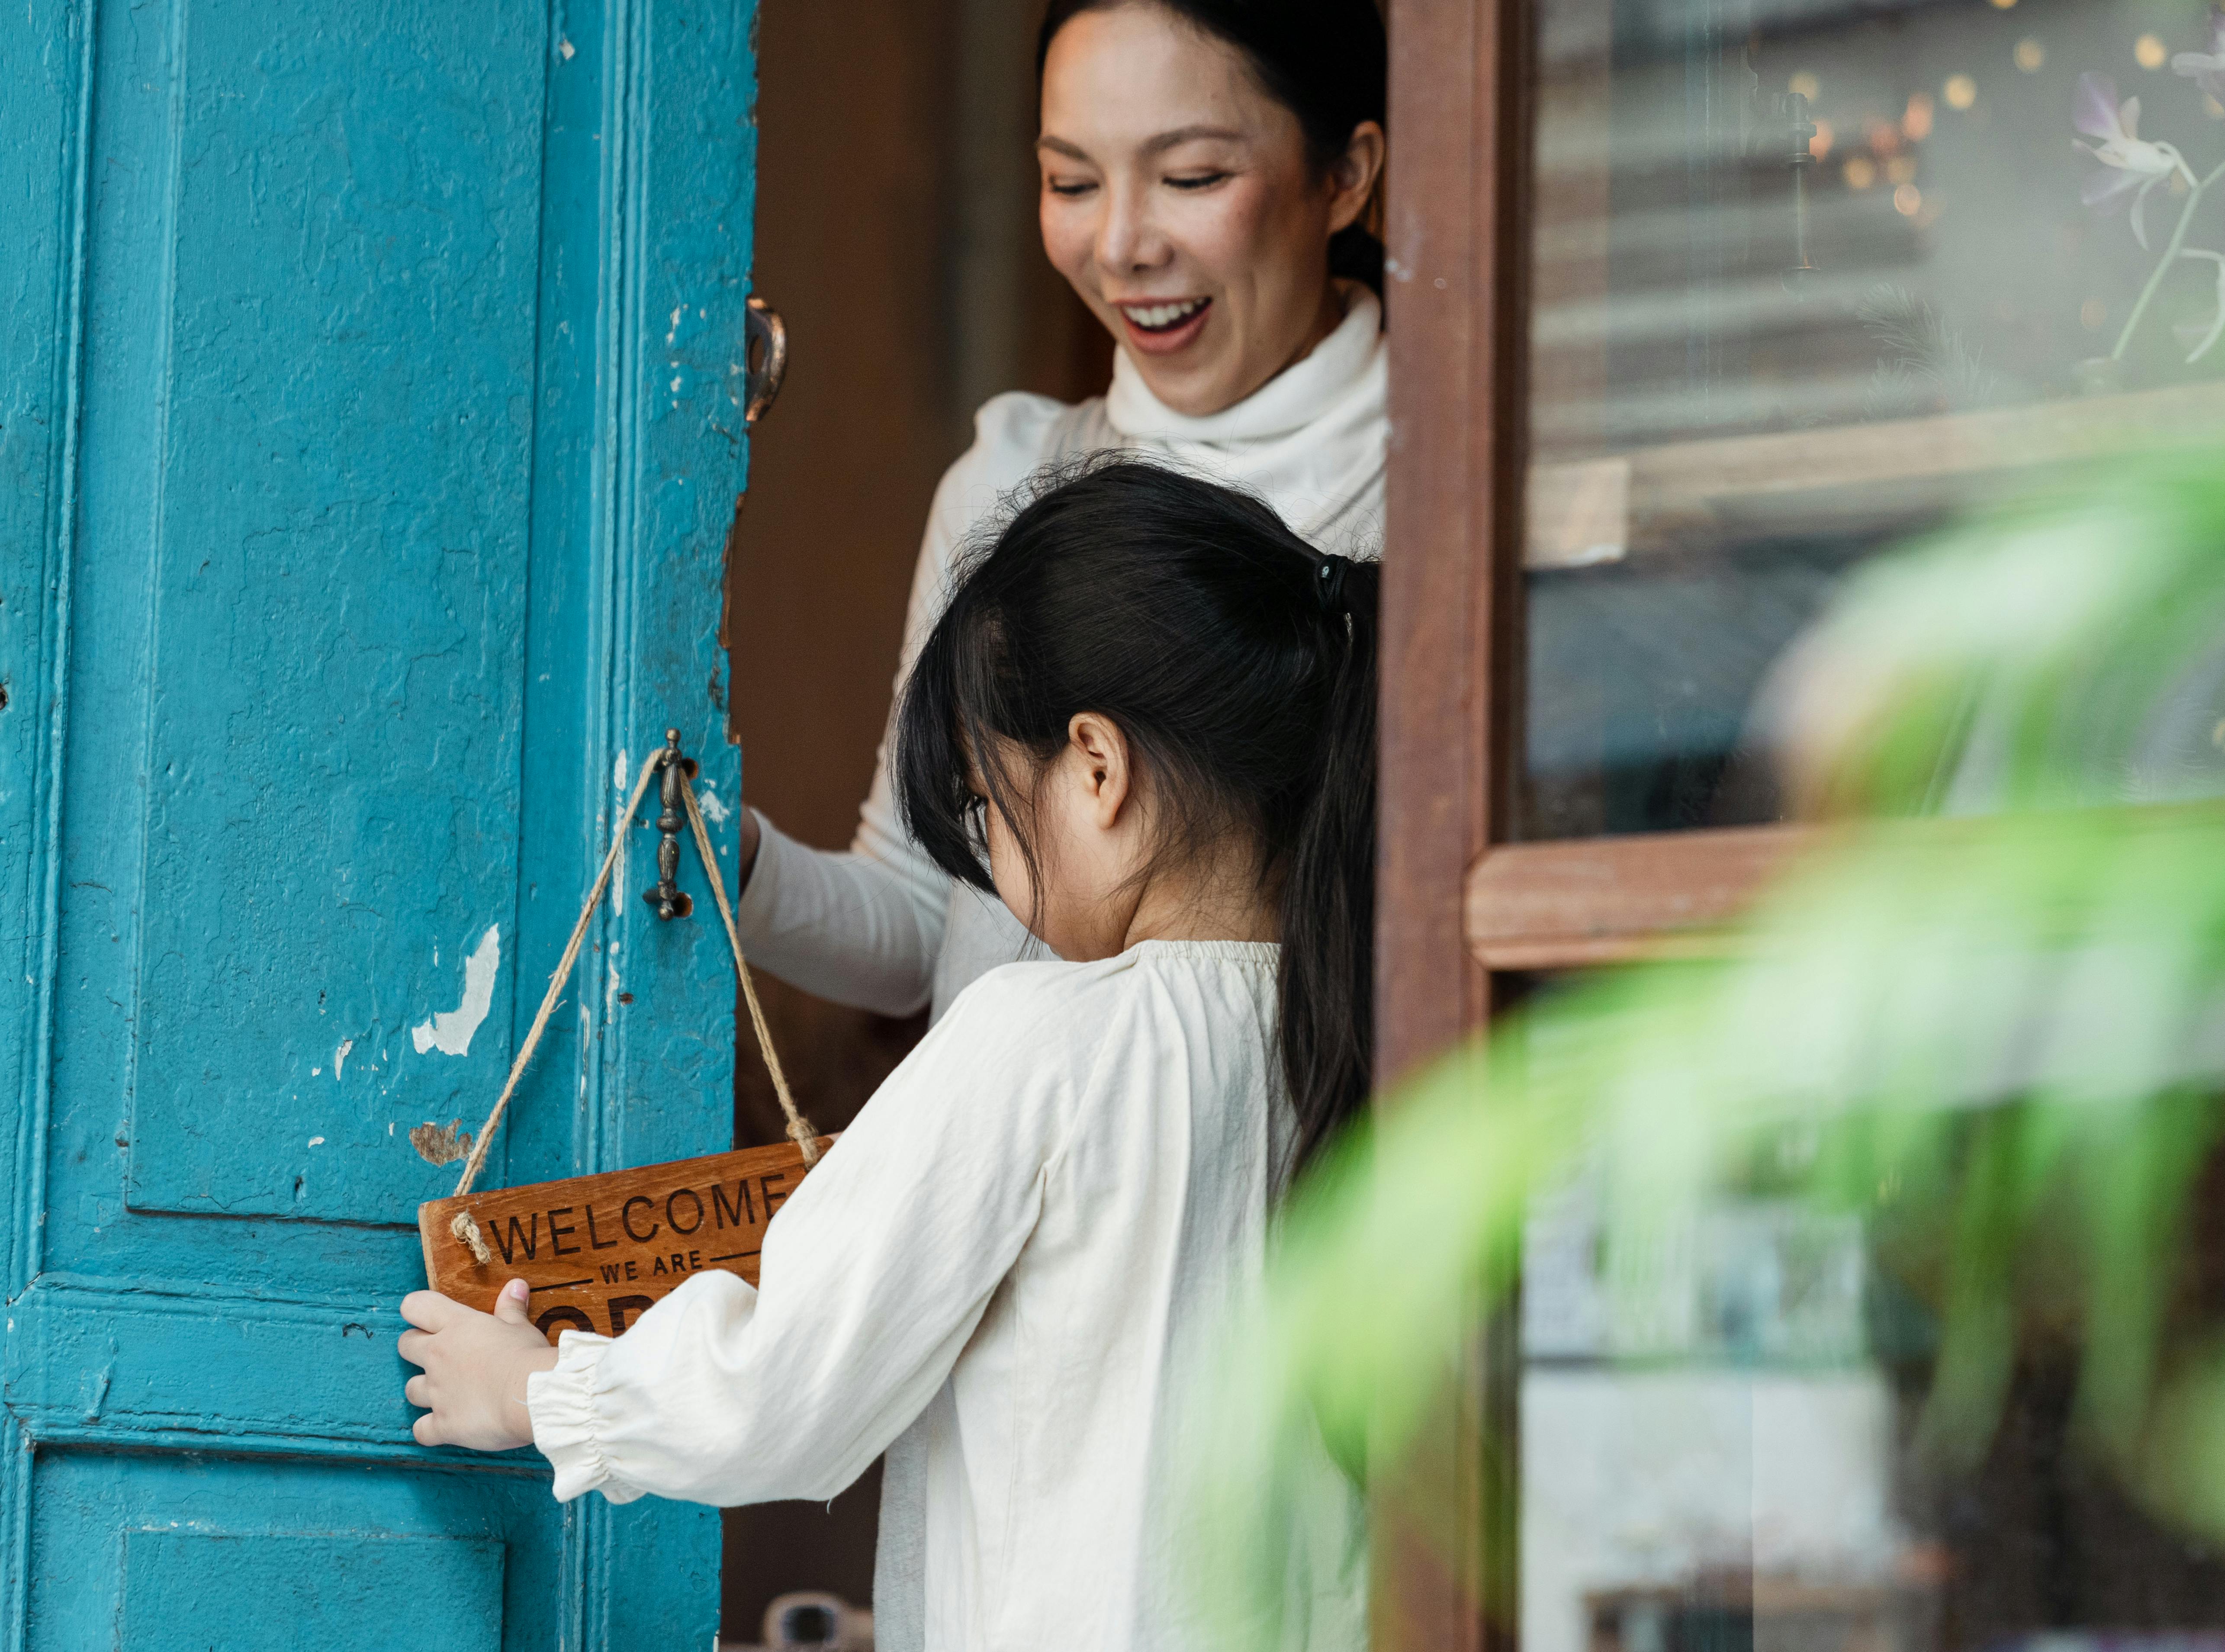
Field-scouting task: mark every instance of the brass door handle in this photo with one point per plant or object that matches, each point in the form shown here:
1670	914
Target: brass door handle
764	358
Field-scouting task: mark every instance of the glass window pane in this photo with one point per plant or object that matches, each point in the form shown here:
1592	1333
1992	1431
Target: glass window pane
1808	275
1722	1449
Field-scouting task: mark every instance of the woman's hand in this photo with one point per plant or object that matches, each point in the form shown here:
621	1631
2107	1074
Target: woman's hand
474	1368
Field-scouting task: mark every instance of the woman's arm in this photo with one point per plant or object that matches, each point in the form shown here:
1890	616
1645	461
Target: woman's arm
860	928
864	927
875	1276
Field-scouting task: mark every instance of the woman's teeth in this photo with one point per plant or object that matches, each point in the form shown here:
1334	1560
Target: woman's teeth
1154	317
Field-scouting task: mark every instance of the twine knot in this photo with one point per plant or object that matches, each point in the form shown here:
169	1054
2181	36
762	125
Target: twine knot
468	1230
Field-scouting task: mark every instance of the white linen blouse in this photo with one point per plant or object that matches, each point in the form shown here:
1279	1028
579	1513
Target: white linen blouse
881	927
1024	1240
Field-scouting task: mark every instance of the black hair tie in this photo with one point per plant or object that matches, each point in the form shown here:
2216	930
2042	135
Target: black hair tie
1328	583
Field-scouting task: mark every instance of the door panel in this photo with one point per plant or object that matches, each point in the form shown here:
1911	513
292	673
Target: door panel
376	427
319	608
194	1554
274	1590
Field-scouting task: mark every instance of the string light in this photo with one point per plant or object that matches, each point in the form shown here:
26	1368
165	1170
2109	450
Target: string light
1961	92
1908	200
1860	172
2150	51
1917	123
2031	55
1806	85
1820	145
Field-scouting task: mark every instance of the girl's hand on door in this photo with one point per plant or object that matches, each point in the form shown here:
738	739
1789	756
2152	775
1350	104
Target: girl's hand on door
474	1367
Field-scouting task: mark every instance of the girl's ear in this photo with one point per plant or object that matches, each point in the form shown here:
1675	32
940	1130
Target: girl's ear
1098	745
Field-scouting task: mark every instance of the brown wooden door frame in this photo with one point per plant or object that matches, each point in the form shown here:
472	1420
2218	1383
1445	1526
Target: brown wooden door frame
1456	300
1456	296
1456	901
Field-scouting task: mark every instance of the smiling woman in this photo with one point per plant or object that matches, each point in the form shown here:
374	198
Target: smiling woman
1202	170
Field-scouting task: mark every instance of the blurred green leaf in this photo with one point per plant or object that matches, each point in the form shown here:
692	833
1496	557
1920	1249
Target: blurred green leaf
1996	1037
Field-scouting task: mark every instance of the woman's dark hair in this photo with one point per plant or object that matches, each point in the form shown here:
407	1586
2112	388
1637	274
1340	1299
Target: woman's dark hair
1327	61
1238	663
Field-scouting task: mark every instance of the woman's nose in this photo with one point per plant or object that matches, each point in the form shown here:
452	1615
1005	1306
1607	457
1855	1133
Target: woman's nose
1127	237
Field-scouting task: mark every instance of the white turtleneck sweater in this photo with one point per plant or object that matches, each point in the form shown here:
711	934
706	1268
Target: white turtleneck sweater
880	926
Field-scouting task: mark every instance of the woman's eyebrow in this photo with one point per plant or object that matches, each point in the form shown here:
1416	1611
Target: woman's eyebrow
1165	141
1183	135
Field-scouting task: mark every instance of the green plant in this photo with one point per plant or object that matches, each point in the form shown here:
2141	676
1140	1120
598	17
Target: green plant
1992	1037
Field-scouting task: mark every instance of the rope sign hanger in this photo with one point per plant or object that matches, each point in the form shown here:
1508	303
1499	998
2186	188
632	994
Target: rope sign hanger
624	1224
645	1229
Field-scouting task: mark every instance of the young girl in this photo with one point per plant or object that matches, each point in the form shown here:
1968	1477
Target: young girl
1152	707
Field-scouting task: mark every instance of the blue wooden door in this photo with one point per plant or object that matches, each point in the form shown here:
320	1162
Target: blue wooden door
369	415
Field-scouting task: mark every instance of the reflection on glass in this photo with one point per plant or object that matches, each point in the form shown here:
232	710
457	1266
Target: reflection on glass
1708	1450
1720	1453
1808	274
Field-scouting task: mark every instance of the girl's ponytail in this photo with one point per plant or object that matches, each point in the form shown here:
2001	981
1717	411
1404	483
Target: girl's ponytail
1327	902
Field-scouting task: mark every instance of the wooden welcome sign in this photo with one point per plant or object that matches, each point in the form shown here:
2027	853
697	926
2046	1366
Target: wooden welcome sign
599	1250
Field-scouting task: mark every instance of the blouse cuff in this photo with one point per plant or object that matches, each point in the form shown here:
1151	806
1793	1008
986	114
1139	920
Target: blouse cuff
562	1403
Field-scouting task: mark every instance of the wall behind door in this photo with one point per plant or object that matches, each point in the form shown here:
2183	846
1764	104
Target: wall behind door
897	235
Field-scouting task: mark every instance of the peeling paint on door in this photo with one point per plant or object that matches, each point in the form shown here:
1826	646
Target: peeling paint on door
450	1031
440	1143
